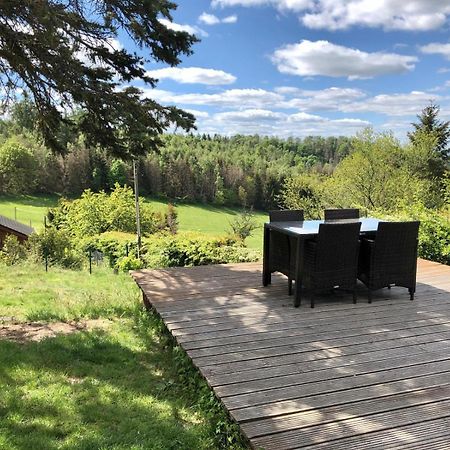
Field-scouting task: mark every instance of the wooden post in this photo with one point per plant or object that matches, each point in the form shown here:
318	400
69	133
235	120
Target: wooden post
136	200
266	278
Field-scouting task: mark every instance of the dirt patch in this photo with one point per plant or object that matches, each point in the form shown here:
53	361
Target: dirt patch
36	331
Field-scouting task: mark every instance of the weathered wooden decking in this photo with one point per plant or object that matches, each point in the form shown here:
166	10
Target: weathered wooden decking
340	376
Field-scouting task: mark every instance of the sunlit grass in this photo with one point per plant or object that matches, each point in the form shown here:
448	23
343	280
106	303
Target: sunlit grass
207	219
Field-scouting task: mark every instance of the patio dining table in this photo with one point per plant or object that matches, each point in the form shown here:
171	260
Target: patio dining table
304	230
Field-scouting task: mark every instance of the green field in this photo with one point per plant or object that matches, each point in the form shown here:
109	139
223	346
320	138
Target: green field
202	218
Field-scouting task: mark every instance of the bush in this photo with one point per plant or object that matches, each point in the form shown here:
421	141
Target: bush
55	246
189	249
242	225
97	213
113	245
126	263
12	252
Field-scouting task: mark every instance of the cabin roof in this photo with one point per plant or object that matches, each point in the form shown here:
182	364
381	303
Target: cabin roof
15	226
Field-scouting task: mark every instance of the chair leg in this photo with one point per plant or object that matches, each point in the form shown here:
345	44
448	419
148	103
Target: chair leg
298	298
312	299
411	294
369	295
290	285
354	296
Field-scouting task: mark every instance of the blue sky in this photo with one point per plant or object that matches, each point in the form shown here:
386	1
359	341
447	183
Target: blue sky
302	67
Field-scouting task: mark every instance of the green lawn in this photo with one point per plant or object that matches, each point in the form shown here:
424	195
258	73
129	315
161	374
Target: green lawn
203	218
27	208
116	387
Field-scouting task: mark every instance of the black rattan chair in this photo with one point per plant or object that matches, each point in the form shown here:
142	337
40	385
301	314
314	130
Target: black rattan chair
286	215
282	247
331	260
334	214
390	258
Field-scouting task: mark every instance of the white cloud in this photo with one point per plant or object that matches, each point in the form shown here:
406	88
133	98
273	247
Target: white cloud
211	19
234	98
273	123
309	58
198	114
411	15
199	75
249	115
230	19
294	5
191	29
329	99
393	104
437	49
302	104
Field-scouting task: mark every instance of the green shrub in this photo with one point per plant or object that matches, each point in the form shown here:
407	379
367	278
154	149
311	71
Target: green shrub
55	246
113	245
126	263
96	213
243	225
12	252
189	249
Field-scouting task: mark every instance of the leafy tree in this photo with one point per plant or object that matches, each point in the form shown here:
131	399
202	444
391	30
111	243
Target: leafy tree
65	54
18	169
375	176
302	192
117	173
430	124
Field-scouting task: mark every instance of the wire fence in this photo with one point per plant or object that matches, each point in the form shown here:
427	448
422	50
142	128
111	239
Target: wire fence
24	216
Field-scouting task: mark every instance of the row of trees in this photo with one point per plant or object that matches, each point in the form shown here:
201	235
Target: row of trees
242	170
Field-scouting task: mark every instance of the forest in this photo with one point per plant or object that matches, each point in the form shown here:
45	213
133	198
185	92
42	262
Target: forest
236	171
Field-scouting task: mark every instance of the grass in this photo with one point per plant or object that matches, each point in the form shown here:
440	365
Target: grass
119	387
28	293
27	208
206	219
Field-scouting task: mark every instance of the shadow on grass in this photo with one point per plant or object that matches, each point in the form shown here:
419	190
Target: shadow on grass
100	389
37	200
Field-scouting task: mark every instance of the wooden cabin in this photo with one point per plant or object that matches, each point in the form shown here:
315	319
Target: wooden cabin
10	226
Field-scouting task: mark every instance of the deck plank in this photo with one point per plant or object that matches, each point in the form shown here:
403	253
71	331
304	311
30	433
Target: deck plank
366	376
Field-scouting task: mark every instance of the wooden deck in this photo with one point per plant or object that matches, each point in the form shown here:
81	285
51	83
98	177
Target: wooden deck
340	376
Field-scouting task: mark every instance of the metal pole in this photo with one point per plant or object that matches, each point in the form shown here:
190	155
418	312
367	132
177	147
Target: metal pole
15	212
136	199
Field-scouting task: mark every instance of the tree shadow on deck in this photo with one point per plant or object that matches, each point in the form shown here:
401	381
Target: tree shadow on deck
339	371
